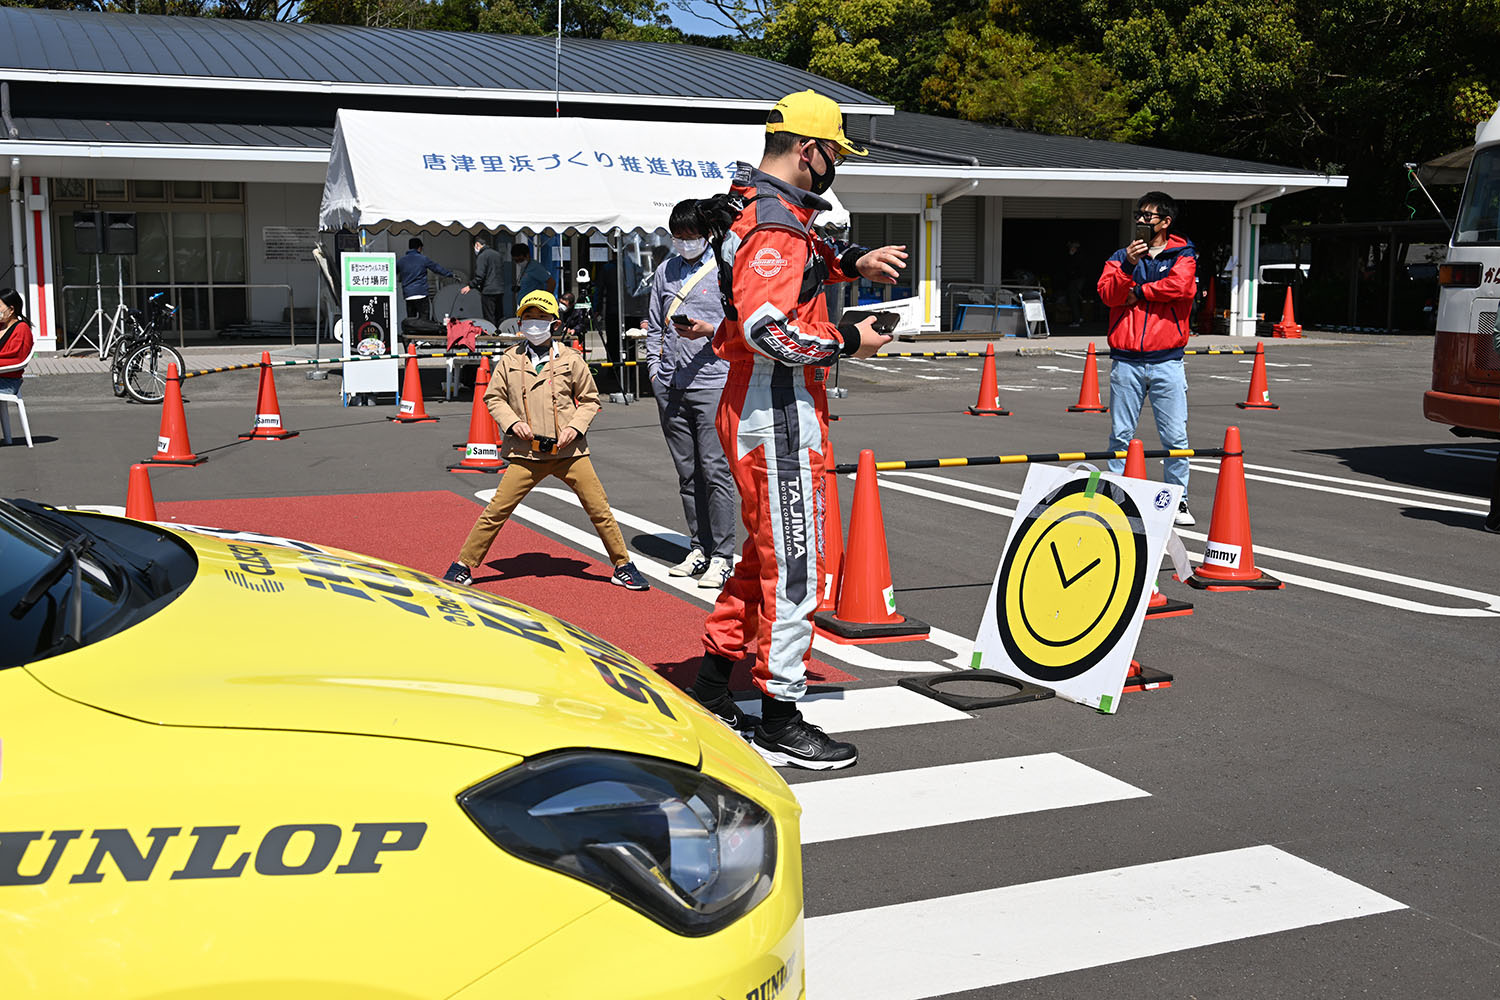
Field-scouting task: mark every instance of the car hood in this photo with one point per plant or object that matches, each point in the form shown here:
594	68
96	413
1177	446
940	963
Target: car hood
275	634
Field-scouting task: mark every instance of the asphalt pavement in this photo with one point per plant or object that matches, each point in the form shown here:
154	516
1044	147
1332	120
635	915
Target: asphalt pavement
1307	812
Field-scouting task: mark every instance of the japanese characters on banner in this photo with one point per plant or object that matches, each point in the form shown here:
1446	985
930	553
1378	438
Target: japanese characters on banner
1070	594
368	298
524	174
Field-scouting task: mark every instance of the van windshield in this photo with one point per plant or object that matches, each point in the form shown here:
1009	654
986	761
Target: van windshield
1479	215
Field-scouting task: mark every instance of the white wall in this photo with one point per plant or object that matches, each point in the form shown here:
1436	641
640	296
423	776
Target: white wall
279	205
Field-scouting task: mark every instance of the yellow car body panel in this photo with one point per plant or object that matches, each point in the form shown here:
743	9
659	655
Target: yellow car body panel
252	793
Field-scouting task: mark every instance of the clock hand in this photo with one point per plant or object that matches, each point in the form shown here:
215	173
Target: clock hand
1068	581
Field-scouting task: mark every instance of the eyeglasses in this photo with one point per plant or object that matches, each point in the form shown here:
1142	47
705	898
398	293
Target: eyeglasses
836	158
1150	216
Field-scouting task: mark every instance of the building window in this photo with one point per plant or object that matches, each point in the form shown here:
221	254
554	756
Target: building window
192	250
878	229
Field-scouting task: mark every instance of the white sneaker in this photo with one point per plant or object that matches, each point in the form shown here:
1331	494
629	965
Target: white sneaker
695	563
1184	516
716	575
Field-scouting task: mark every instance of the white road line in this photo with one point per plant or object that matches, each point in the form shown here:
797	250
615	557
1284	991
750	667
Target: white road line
869	708
1491	602
1212	469
933	947
865	657
1460	497
869	804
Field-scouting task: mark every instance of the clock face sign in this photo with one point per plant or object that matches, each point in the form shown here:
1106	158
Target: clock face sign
1071	580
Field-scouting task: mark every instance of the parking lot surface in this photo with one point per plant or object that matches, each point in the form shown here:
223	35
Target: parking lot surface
1307	812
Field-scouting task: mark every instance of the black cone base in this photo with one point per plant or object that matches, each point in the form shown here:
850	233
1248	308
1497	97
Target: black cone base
1007	690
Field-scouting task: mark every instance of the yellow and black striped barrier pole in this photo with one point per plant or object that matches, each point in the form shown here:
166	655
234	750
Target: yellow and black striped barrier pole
304	362
1046	456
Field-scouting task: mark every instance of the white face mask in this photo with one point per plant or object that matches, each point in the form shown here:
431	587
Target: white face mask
689	249
536	331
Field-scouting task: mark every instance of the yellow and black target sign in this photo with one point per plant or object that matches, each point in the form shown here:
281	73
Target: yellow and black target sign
1071	580
1068	598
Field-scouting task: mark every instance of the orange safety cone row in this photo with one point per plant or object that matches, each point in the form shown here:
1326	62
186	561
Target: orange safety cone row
867	599
988	404
172	445
411	410
1229	555
267	409
1161	605
139	503
1088	392
1288	327
1260	393
833	538
483	451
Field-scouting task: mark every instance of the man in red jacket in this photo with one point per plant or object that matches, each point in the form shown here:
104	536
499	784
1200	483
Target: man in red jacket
1149	287
773	420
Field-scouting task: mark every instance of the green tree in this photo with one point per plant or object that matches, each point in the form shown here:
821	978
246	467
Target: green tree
875	45
1007	78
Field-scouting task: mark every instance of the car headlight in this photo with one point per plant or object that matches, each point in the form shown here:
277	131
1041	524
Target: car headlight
680	847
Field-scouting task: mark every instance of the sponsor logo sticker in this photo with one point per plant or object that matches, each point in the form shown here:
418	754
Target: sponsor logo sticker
1222	554
890	600
768	262
483	451
163	444
268	420
408	406
1162	500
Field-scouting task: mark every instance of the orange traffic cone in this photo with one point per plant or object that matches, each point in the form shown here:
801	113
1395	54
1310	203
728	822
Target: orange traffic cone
172	446
483	451
1260	392
1161	605
867	600
1088	393
1142	678
411	410
1135	460
1288	327
1229	556
267	409
833	538
139	503
988	404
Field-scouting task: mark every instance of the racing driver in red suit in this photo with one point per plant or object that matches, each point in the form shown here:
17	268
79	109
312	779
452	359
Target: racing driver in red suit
773	420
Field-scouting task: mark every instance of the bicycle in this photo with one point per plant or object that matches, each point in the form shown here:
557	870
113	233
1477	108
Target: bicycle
139	368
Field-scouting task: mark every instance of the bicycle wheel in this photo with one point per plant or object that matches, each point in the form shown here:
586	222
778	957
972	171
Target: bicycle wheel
117	371
146	372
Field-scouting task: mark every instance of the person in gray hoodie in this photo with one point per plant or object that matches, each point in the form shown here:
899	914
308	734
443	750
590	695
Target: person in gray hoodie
687	379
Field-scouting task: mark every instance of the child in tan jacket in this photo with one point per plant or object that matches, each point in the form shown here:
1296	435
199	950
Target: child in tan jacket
543	397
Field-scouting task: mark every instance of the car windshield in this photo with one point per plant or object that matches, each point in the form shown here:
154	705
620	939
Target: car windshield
1479	215
126	571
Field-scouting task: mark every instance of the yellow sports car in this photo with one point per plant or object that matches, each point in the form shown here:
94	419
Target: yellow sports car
237	766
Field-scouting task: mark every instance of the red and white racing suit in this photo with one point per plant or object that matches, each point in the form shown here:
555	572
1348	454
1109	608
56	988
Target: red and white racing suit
773	423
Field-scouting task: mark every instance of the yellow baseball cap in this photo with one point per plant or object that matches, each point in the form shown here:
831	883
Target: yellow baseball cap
815	116
542	300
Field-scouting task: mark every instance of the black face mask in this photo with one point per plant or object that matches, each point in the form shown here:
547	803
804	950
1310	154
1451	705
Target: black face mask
821	182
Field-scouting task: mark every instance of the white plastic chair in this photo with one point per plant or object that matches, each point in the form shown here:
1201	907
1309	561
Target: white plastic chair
10	397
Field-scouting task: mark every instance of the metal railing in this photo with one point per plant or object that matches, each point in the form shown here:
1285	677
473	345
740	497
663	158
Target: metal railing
107	294
971	307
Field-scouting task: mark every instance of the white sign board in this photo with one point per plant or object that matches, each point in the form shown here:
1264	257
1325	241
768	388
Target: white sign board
368	292
1070	595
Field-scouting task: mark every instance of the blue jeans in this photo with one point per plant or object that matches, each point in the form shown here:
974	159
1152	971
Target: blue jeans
1165	382
10	385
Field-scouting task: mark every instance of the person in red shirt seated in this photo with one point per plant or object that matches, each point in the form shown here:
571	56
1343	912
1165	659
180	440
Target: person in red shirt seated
15	340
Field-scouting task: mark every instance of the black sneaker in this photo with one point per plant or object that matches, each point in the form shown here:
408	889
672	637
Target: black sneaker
459	573
801	744
1184	516
727	712
627	576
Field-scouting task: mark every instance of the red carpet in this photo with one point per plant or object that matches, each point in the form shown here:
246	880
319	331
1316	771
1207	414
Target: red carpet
424	531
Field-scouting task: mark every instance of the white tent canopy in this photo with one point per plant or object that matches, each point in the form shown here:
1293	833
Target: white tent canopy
524	175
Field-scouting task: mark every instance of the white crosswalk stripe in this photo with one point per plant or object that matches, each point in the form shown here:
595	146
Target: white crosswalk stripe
867	804
932	947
